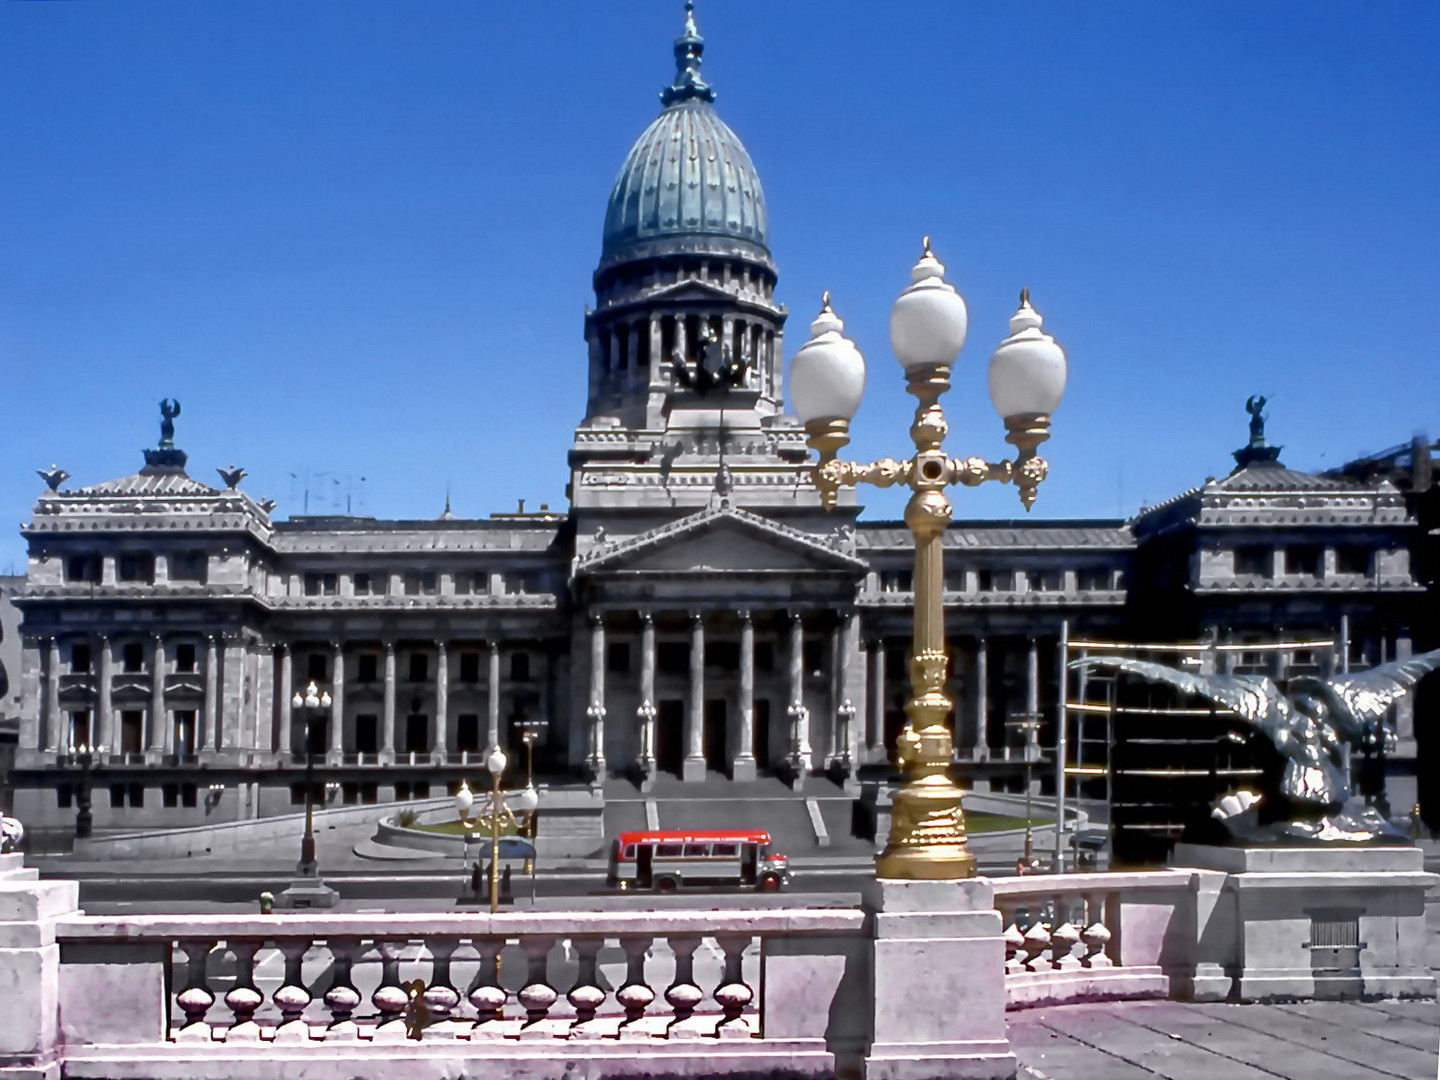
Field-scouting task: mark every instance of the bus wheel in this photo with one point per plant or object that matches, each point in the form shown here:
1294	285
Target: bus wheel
770	883
667	884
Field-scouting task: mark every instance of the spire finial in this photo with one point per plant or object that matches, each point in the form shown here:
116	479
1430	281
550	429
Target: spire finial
689	47
1025	297
825	300
927	251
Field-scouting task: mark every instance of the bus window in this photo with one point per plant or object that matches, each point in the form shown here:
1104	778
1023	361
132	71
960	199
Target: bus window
725	851
629	851
668	851
697	851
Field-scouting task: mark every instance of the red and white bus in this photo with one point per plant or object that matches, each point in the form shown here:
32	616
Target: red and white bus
668	860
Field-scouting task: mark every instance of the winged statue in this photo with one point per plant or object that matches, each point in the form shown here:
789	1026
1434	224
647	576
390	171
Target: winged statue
1309	723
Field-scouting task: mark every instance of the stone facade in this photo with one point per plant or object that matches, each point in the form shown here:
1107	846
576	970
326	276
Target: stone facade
693	611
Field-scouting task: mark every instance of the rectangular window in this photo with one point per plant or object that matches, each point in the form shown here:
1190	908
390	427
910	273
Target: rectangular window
764	656
132	657
467	733
1352	559
170	795
362	584
697	851
132	732
137	568
985	580
64	796
185	658
672	657
1050	580
725	851
350	793
185	732
669	851
417	734
312	584
1304	560
297	794
82	569
421	790
367	665
188	566
472	582
469	667
419	666
136	792
367	734
117	796
79	658
329	584
814	655
317	667
189	795
617	657
370	792
1252	560
80	728
520	667
724	655
402	791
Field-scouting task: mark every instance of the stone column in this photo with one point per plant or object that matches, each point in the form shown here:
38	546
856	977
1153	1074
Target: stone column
52	697
875	737
693	768
492	727
103	732
647	697
595	713
232	691
798	713
387	722
982	701
336	753
159	738
744	764
849	645
209	740
287	692
441	751
264	684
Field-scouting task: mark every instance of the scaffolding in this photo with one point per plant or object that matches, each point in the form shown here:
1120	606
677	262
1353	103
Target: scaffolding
1185	751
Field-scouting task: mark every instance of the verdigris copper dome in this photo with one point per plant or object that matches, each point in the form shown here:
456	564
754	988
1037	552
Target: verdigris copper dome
687	184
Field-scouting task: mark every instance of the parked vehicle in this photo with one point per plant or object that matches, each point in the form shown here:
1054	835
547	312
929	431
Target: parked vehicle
669	860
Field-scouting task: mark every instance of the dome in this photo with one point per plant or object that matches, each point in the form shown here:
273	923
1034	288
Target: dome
687	184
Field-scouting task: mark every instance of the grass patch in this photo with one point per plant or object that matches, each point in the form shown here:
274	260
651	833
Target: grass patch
977	821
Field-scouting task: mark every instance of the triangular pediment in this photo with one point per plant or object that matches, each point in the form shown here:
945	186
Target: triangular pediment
724	541
689	290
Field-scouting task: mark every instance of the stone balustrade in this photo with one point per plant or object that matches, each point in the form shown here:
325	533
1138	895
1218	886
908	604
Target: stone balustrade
1089	937
753	987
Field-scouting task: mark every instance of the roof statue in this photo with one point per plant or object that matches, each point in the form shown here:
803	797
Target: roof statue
53	476
12	834
717	370
165	455
232	476
1257	451
1309	724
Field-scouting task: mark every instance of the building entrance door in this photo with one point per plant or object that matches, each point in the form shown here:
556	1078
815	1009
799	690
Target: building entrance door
717	756
761	738
670	736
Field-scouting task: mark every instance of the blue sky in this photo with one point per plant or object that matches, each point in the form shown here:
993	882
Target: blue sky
355	238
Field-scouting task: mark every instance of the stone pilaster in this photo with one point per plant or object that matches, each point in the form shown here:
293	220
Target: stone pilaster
646	710
875	735
595	713
102	733
209	731
52	697
387	744
159	722
492	717
798	712
982	700
440	754
336	751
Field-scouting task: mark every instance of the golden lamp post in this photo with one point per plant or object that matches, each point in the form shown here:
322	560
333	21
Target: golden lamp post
1026	378
494	818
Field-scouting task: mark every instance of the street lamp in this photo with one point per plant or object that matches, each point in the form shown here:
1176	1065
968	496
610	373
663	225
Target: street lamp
84	757
1028	724
1027	378
315	704
496	763
464	801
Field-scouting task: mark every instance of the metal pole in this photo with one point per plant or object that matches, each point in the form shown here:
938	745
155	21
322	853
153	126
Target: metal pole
1062	744
307	843
495	848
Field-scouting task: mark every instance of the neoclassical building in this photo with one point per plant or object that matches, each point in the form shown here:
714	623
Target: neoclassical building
693	612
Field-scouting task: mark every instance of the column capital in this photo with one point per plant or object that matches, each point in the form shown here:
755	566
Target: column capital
441	644
493	645
697	618
744	615
389	647
104	637
337	646
795	615
595	616
647	617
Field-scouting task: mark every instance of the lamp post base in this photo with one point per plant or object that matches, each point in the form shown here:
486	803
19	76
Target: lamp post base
307	892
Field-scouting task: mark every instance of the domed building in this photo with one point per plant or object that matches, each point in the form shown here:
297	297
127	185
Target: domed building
693	617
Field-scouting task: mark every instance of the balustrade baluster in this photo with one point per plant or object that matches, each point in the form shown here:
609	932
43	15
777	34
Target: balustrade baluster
1036	941
342	999
733	993
244	997
636	994
537	995
440	996
1014	942
195	1000
390	997
1096	935
587	995
292	997
683	995
1064	937
487	995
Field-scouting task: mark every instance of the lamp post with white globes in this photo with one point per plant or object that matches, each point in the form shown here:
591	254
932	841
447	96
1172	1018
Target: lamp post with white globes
1027	378
315	703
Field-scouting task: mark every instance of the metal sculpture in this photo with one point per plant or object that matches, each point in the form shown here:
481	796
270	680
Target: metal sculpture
718	368
169	410
1309	724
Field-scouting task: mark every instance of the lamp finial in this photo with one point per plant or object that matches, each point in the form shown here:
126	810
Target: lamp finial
1025	297
825	300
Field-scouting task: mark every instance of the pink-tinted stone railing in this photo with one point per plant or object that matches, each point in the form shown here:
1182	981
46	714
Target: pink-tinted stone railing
1085	937
739	981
